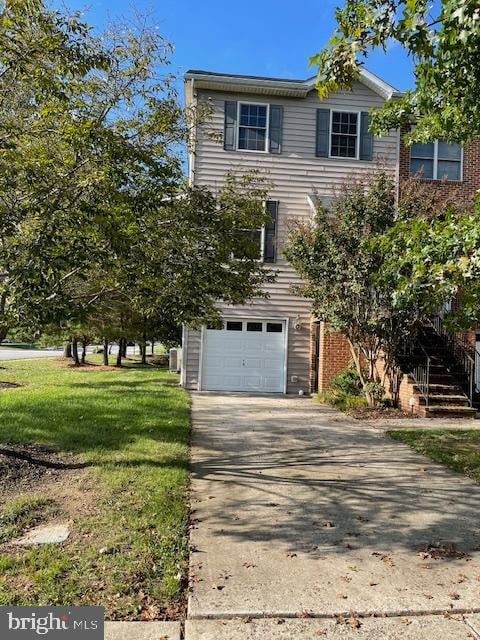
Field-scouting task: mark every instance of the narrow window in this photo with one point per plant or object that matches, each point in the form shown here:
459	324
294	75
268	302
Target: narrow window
234	326
344	136
252	127
250	246
254	326
274	327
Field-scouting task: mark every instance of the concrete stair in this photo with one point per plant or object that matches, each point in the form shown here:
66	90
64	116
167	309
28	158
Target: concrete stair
447	398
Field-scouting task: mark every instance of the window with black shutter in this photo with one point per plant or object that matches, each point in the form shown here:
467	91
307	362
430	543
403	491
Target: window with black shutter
270	234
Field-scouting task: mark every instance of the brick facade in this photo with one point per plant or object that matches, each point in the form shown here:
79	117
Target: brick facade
334	356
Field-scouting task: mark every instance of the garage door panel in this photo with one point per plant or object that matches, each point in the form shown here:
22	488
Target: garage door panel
244	360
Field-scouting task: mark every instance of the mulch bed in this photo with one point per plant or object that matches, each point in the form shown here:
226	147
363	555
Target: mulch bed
23	465
379	413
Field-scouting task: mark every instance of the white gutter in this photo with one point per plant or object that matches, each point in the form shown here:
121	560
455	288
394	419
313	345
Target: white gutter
192	138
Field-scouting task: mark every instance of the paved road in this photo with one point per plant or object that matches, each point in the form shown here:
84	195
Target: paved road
10	353
301	514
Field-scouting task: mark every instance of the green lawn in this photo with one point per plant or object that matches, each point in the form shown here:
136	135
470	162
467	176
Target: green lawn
128	547
457	449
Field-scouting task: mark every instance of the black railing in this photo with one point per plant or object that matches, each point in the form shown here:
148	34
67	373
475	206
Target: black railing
463	355
420	371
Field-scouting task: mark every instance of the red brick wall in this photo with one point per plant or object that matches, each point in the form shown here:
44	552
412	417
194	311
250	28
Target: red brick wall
464	190
334	356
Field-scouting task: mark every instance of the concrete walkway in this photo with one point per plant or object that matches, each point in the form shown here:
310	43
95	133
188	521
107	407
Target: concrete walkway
305	522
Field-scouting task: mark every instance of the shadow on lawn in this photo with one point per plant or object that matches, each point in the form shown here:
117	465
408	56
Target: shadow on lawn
78	417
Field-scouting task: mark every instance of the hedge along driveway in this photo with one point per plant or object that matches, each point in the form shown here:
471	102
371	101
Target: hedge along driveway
125	496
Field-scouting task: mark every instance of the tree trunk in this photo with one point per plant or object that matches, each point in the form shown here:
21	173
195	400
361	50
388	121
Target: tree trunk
153	347
144	349
105	352
84	350
67	350
75	357
124	348
119	353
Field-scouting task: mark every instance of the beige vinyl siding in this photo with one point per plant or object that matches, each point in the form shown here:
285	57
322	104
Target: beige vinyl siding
191	363
295	174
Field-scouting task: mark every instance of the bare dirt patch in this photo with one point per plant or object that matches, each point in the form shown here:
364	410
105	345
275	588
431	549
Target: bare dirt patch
87	367
23	466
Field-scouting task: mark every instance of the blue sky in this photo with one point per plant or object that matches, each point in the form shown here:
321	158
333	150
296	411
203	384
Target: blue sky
256	37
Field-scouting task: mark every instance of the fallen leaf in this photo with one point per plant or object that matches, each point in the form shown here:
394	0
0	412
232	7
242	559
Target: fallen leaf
327	524
454	596
362	518
249	565
355	623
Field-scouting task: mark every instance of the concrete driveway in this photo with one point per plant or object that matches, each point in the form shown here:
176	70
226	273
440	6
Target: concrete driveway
305	521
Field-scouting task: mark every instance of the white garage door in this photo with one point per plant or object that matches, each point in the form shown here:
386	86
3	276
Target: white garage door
246	355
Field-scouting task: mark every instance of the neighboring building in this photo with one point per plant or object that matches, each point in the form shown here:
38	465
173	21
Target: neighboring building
307	146
453	380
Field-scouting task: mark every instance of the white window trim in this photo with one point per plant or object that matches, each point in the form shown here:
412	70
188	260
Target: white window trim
357	146
267	128
435	164
262	243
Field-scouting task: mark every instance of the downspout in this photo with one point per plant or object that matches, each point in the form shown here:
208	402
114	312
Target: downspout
192	137
397	169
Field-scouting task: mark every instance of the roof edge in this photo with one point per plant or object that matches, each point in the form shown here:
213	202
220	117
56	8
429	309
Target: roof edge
296	88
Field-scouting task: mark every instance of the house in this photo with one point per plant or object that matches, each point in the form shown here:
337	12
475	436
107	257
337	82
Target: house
308	146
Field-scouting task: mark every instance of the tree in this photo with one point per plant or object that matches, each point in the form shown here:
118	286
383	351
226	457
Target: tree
94	210
434	259
443	40
338	261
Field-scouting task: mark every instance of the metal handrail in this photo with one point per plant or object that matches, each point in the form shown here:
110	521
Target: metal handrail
463	356
421	375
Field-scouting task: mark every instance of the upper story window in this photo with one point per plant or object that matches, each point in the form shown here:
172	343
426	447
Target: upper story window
344	134
261	244
252	126
438	160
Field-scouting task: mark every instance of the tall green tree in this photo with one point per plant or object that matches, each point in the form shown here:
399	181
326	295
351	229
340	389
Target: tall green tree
443	41
93	203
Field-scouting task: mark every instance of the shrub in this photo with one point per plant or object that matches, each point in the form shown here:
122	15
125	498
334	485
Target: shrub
342	401
347	382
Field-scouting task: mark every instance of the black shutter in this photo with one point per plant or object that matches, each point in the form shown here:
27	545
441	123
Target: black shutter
270	236
366	138
275	128
230	125
323	133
